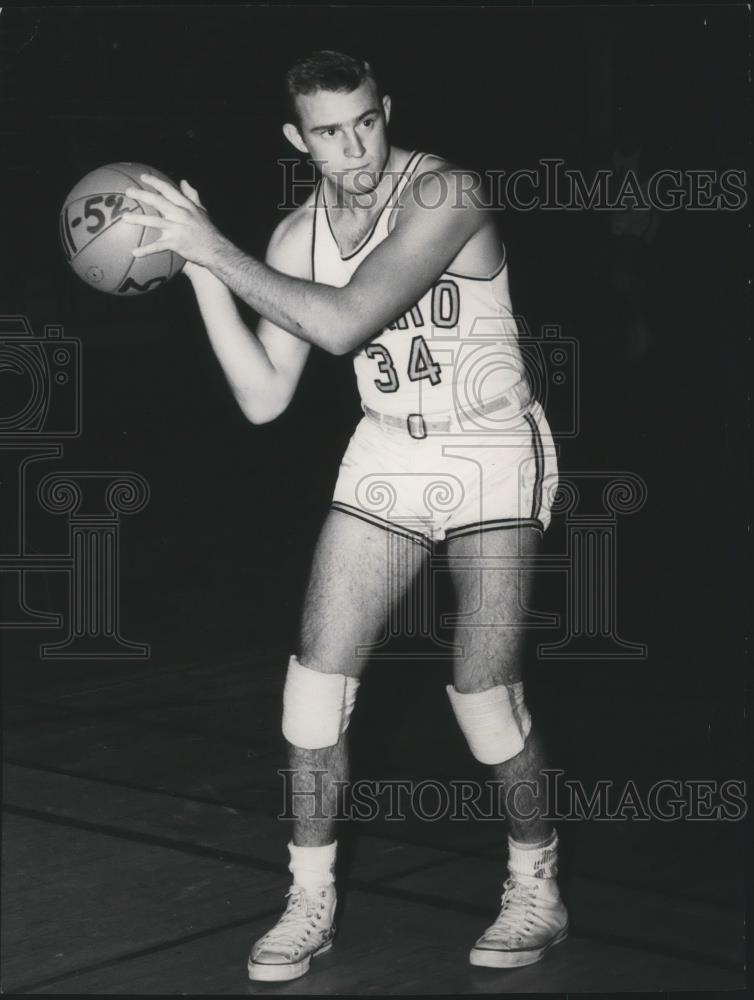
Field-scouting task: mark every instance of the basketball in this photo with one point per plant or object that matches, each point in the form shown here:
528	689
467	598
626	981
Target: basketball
98	248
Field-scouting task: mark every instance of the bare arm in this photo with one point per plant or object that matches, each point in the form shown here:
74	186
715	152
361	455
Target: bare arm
438	218
262	368
430	232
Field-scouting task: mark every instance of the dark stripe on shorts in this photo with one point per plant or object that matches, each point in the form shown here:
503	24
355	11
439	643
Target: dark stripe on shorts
493	525
539	457
379	522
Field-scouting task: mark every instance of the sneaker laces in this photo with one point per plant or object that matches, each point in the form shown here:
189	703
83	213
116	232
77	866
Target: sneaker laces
518	902
295	925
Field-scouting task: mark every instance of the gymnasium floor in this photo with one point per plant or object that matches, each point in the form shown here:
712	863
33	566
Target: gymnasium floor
142	853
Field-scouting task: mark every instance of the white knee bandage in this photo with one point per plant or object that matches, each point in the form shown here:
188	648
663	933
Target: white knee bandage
495	722
316	706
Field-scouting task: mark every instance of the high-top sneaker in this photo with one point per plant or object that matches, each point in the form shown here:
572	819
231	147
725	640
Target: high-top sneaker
532	916
305	930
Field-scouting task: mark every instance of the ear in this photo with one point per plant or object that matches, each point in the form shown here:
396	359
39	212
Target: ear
386	105
292	134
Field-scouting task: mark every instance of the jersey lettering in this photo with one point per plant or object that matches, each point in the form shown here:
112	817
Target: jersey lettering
446	304
420	365
402	322
386	367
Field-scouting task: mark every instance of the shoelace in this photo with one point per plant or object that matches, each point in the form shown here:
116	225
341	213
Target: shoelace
517	903
295	925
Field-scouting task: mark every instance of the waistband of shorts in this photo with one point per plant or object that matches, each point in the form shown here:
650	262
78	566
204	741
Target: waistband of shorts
416	425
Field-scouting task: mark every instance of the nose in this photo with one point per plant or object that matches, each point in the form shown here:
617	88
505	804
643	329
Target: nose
354	147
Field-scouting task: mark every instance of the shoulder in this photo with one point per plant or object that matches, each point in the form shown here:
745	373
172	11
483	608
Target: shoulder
440	195
290	243
438	182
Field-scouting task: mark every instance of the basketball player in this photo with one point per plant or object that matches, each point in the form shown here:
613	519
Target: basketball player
393	260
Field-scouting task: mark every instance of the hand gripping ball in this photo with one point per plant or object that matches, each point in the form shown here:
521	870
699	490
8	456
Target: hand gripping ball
98	246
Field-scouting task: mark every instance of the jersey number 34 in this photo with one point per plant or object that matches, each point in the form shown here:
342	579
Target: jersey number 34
420	365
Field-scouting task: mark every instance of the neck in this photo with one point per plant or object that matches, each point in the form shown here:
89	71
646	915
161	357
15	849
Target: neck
357	203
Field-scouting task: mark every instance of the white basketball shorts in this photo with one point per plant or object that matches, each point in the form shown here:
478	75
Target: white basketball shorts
450	484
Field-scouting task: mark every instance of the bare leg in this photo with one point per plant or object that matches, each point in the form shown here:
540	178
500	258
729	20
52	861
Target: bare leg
355	574
346	606
532	917
492	654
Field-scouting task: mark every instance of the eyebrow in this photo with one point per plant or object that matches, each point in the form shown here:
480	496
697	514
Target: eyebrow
364	114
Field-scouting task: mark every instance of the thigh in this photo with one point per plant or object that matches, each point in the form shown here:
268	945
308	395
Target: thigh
492	602
359	571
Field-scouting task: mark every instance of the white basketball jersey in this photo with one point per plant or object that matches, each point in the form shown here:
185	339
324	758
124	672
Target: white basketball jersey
455	348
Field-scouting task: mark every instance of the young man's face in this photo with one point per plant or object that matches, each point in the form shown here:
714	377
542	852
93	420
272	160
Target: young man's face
345	134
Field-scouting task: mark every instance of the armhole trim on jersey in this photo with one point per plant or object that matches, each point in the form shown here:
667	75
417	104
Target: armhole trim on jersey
407	173
483	277
314	223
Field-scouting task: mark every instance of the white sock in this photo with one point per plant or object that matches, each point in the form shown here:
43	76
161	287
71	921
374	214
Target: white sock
312	867
534	860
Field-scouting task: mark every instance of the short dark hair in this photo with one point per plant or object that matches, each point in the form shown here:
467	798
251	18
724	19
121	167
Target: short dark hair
326	70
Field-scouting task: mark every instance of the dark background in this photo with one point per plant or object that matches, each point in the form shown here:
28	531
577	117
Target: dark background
215	565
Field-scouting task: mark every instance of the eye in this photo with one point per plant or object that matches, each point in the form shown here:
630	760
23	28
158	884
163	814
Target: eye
368	122
330	132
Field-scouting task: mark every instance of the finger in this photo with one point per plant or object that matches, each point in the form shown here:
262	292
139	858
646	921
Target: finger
191	193
149	248
167	190
142	219
163	206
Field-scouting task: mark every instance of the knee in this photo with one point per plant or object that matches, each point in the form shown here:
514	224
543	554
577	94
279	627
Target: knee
495	722
317	706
